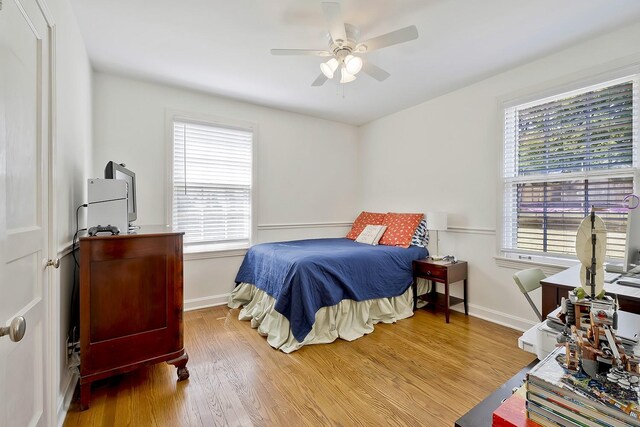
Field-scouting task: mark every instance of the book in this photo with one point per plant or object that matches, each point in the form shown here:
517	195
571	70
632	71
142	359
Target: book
569	417
565	400
586	401
543	421
547	418
512	412
608	399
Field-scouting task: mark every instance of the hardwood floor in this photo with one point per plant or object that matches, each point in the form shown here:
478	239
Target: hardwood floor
419	371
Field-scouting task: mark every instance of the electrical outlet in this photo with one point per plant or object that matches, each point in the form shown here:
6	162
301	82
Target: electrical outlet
73	356
74	363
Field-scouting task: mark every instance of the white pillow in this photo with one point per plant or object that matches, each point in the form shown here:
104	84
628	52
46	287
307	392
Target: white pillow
371	234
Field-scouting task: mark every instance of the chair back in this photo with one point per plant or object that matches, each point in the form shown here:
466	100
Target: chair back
529	279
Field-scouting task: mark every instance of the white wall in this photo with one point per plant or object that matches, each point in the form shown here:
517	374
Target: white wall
440	155
444	155
308	170
72	156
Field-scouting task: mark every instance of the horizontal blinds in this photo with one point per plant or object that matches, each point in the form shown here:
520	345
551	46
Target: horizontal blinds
212	182
585	132
547	214
562	156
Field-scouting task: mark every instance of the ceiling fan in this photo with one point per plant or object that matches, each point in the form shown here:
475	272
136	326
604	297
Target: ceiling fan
345	50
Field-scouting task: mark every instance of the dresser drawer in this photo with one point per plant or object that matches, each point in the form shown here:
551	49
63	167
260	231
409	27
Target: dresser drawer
429	271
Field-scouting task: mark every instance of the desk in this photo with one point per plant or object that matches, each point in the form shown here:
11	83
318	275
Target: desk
558	285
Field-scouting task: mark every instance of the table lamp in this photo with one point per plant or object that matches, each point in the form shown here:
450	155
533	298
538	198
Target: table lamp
436	221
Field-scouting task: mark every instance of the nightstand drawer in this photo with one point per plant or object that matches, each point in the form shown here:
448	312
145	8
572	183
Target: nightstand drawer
426	270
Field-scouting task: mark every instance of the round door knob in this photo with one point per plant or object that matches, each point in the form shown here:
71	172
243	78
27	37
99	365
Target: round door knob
55	263
15	330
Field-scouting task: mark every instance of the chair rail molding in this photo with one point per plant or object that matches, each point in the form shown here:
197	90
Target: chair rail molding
471	230
304	225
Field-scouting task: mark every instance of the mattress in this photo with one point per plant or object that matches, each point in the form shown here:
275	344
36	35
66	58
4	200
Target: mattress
304	276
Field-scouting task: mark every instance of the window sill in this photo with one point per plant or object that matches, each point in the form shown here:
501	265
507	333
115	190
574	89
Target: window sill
549	265
215	251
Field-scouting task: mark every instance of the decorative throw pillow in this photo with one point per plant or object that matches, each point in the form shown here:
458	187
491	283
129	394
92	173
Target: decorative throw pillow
364	219
421	235
371	234
400	229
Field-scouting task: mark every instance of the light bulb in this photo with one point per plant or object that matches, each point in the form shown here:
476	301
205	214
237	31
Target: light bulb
329	67
346	76
353	64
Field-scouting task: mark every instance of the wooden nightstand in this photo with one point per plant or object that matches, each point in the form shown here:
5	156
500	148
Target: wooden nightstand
441	272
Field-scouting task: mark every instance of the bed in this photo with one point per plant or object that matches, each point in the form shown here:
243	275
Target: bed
315	291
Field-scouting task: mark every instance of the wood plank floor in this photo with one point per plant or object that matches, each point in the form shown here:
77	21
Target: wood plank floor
419	371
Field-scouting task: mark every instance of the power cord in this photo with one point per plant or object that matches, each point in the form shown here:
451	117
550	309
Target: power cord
72	333
450	258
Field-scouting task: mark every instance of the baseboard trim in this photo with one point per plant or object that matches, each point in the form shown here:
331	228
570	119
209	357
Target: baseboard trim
64	401
205	302
494	316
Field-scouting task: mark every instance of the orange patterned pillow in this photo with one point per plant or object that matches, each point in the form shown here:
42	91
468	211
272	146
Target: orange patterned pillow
400	229
364	219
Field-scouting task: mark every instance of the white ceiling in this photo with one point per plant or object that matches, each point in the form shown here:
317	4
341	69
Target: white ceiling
223	47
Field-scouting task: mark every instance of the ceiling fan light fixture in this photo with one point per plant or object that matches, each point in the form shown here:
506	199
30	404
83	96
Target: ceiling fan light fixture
346	76
353	64
329	67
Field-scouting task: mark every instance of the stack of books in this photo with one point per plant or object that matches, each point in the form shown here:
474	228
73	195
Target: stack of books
557	397
512	412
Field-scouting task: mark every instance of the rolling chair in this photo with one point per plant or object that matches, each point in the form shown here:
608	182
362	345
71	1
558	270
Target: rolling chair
527	281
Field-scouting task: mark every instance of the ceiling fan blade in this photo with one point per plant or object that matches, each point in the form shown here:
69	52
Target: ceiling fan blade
333	16
320	80
311	52
395	37
374	71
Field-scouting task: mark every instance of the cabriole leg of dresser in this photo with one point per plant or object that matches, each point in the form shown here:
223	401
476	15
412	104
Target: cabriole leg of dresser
181	364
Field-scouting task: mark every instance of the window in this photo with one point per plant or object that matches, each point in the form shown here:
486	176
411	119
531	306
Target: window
563	155
212	184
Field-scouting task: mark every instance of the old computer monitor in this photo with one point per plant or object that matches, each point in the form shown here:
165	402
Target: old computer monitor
115	170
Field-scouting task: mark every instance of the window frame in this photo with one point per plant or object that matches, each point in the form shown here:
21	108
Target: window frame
211	250
520	258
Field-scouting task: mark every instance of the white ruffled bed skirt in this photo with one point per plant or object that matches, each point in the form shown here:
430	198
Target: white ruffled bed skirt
348	319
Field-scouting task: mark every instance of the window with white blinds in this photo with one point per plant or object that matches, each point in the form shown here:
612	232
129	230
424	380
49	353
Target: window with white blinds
563	155
212	176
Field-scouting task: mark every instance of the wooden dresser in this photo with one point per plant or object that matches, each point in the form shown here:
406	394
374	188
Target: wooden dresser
131	304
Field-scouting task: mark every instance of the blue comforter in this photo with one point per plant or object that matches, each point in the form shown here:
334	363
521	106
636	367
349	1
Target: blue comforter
306	275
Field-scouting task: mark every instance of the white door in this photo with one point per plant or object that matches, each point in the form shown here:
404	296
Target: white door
24	142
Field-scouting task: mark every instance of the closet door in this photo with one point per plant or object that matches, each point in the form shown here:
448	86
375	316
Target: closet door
24	142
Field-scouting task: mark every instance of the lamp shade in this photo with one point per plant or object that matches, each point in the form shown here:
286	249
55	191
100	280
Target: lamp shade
436	220
353	64
329	67
346	76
